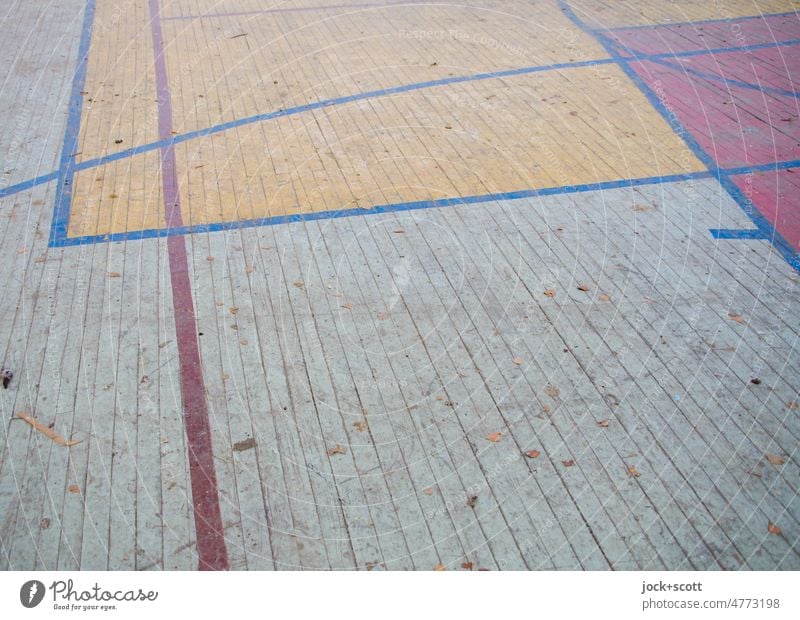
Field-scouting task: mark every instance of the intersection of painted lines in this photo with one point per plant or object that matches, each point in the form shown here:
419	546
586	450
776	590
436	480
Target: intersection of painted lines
739	105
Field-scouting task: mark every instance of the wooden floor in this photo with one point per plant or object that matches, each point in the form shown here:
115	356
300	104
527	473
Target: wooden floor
394	284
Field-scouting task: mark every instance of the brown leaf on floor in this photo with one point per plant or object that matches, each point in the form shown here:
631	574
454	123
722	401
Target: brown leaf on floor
244	444
73	488
299	283
773	529
47	432
209	258
552	391
472	500
793	404
549	292
603	424
632	471
113	274
568	463
439	567
583	287
546	408
775	459
467	565
347	306
518	360
736	317
494	437
44	523
603	297
440	397
532	454
642	208
233	309
496	331
250	269
399	231
428	491
361	426
337	449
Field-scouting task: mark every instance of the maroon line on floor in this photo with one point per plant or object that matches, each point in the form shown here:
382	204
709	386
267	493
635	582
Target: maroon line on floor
205	496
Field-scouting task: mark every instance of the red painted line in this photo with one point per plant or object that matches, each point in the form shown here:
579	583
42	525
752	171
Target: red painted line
205	496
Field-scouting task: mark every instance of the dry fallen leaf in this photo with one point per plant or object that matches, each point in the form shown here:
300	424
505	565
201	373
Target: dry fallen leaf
233	309
632	471
793	404
439	567
773	529
209	258
495	437
245	444
249	269
568	463
603	297
299	283
360	426
347	306
583	287
603	424
552	391
73	488
113	274
642	208
467	565
775	459
518	360
549	293
337	449
736	317
428	491
46	431
532	454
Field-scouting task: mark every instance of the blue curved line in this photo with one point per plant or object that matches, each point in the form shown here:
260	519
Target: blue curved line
724	80
326	103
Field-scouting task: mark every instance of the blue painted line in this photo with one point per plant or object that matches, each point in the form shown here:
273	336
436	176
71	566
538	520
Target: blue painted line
66	167
713	50
776	239
705	75
145	148
25	185
386	208
325	103
736	233
703	22
778	165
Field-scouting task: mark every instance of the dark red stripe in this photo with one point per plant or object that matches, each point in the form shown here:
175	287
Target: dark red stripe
205	496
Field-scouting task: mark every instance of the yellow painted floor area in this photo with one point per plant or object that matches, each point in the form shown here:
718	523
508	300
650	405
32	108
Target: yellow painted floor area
228	61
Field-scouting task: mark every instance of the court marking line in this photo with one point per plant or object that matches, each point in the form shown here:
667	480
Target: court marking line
705	75
737	233
386	208
66	172
265	116
783	247
298	9
702	22
210	537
